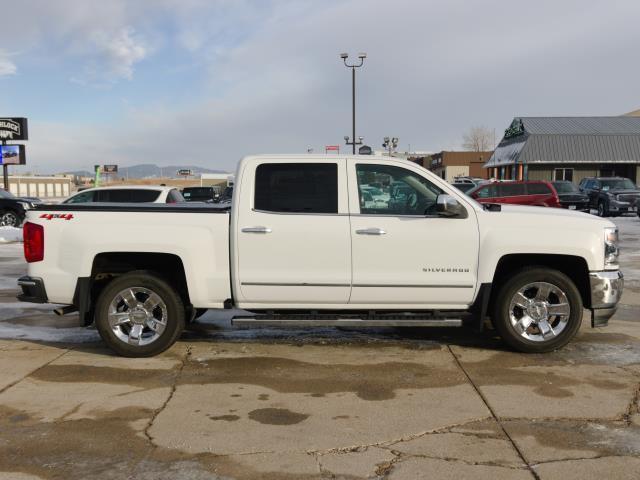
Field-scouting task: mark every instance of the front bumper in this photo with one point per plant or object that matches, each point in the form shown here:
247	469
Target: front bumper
606	291
33	290
616	206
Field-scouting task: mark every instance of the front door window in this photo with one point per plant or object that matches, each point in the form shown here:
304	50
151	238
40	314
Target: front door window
395	191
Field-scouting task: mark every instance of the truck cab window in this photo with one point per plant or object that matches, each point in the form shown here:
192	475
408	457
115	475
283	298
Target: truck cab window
395	191
297	187
83	197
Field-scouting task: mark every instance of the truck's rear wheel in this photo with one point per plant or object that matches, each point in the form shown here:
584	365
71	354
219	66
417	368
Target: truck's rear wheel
537	310
139	315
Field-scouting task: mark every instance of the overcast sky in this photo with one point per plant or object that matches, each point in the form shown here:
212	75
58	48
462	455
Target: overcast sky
205	82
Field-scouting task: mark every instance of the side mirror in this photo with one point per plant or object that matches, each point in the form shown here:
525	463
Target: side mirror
448	206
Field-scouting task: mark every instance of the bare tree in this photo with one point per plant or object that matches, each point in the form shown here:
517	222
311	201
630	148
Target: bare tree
478	139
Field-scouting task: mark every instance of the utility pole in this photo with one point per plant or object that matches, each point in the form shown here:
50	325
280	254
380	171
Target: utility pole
344	57
5	171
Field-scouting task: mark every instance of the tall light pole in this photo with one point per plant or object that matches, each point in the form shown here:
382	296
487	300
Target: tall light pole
344	57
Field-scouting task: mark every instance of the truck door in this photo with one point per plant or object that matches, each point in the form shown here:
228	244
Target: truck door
292	234
403	253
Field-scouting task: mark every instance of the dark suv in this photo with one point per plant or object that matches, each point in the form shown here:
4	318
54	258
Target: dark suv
13	209
611	195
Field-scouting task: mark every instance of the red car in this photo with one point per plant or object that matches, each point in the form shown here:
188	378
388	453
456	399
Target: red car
536	193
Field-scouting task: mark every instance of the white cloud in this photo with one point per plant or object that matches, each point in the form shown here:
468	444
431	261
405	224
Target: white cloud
112	56
7	67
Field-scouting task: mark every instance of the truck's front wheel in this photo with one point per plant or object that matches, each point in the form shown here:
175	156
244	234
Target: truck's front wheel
139	314
537	310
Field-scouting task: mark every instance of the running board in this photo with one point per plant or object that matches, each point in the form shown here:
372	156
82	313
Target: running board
270	321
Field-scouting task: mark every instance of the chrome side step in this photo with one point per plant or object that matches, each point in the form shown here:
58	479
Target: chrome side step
270	321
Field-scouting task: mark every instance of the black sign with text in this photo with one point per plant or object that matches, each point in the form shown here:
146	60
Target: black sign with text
14	129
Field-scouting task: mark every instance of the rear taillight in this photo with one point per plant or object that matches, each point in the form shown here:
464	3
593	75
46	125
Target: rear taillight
33	236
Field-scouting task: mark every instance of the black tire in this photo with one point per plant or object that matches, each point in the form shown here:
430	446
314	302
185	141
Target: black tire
507	291
602	209
175	313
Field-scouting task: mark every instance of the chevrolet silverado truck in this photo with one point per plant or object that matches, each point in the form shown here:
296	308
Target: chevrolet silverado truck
300	245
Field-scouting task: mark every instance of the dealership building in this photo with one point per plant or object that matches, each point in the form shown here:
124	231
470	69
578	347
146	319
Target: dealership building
568	148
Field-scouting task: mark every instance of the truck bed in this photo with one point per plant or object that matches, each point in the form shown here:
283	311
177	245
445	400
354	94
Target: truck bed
76	234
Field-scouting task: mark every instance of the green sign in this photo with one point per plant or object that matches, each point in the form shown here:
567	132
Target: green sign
516	128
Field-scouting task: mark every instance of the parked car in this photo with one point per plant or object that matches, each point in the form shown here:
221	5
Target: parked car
13	209
611	195
464	186
468	179
571	197
127	194
297	248
533	192
199	194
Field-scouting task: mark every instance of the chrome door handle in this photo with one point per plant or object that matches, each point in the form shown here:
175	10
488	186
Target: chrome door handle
371	231
256	230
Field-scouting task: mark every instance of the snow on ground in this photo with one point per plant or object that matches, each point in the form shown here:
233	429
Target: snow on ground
10	234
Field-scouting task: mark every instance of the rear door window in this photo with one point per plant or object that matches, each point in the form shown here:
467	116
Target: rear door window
142	196
538	189
297	187
511	189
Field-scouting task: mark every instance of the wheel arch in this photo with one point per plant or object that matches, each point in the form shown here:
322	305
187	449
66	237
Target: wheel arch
109	265
574	267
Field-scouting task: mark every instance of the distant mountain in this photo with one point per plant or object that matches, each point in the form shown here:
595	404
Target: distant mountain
149	170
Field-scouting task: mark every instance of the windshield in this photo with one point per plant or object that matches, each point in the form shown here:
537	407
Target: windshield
5	194
565	187
618	184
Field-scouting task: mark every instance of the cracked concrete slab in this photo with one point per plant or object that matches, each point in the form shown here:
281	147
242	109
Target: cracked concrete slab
540	386
551	440
620	468
361	464
462	446
18	363
416	468
253	400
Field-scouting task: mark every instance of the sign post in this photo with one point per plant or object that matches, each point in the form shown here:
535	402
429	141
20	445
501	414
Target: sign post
96	180
14	128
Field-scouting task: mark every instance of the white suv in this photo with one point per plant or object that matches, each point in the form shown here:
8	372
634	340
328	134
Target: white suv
127	194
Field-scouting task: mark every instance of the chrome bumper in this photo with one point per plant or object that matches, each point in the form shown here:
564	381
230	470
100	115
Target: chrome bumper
606	291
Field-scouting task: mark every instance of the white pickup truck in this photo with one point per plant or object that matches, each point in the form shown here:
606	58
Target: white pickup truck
300	245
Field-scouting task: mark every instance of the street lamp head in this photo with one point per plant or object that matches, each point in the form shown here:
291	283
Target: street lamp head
344	56
346	138
386	139
360	138
362	55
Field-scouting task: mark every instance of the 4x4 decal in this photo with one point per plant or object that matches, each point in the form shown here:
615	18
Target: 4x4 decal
51	216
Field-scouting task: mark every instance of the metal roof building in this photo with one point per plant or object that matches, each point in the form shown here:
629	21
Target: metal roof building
571	148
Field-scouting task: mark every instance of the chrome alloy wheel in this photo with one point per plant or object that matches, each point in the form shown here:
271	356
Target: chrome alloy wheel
137	316
9	219
539	311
